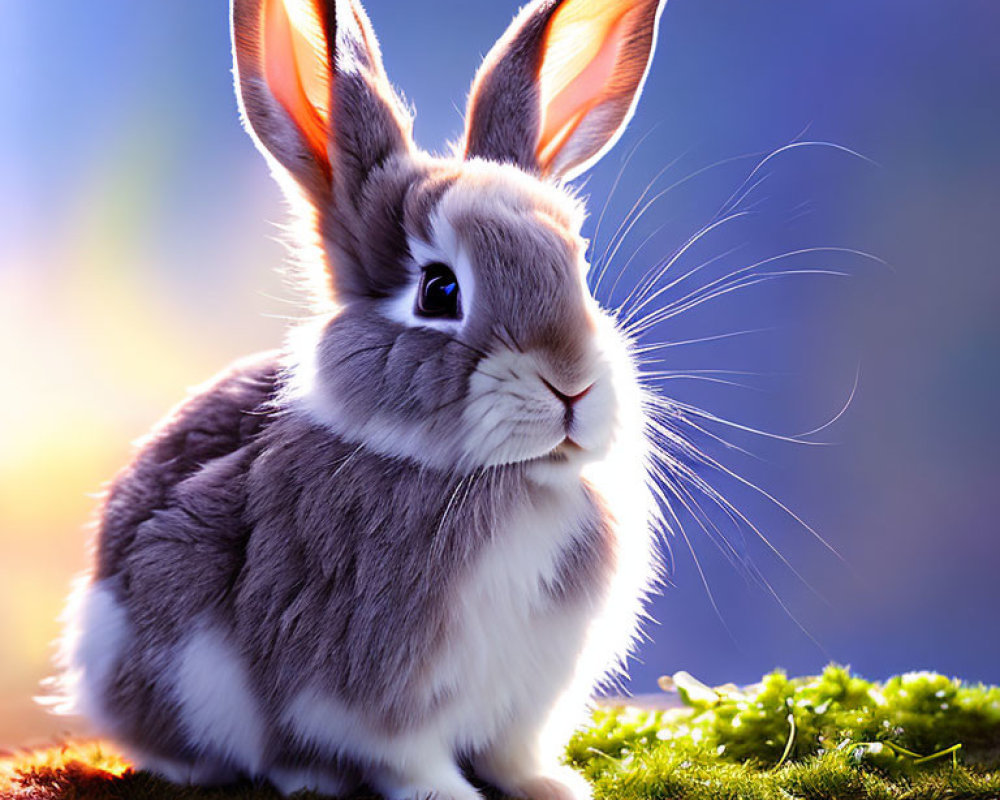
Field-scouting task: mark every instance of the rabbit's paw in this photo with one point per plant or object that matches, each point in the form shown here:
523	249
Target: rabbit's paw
561	783
290	781
518	769
186	773
446	784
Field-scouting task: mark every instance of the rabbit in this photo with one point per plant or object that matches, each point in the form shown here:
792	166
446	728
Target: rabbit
402	550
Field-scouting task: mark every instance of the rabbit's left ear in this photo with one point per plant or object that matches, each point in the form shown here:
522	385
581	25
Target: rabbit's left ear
313	92
556	92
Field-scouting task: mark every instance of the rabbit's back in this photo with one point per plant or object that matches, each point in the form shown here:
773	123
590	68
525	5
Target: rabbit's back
218	419
155	566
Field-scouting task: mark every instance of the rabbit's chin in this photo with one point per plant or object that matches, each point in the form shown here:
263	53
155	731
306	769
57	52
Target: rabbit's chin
564	464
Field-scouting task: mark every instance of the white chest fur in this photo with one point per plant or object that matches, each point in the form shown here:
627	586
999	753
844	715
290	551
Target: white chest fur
512	648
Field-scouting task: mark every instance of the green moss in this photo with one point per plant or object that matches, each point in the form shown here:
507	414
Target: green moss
919	735
833	737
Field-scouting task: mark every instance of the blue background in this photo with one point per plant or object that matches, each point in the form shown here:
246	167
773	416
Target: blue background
137	259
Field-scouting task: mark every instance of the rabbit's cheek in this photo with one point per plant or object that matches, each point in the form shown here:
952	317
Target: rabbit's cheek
510	416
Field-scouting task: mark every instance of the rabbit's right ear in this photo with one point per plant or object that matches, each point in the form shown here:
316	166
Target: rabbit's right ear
313	91
556	92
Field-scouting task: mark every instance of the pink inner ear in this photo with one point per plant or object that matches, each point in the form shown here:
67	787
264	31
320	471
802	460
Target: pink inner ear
578	81
296	67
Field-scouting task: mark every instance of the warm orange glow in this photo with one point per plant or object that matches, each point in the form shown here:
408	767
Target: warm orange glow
100	758
297	66
581	54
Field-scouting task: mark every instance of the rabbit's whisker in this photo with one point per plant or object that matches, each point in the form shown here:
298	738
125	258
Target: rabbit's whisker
656	273
738	517
614	187
794	145
706	229
675	475
742	278
710	461
624	268
674	406
691	242
605	261
667	375
605	258
651	348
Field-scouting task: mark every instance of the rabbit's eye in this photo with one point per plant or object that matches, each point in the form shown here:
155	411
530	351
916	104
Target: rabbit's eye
438	292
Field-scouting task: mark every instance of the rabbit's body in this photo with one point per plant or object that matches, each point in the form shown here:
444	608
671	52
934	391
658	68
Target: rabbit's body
274	601
415	540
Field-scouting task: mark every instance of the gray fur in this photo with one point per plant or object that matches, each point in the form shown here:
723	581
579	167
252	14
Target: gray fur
320	557
503	117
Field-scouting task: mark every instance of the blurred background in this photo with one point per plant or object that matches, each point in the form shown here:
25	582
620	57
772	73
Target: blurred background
138	253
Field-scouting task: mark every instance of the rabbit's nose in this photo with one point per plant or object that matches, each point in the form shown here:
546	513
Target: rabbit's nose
568	400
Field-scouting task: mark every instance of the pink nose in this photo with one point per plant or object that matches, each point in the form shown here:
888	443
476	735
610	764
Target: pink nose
568	400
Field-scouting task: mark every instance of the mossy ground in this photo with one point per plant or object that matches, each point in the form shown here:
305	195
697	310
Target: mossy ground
833	737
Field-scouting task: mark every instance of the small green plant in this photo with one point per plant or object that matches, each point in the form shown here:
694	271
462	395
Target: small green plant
919	735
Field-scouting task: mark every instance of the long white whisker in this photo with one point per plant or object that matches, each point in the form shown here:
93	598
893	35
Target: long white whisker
697	563
669	471
768	496
720	500
677	405
669	433
652	348
763	262
743	197
691	242
680	376
654	274
630	218
665	506
631	258
843	410
784	149
701	296
686	179
660	373
614	187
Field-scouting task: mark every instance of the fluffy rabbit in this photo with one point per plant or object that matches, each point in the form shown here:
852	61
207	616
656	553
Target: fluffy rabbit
402	551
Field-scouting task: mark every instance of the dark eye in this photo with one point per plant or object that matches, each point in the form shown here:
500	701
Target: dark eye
438	292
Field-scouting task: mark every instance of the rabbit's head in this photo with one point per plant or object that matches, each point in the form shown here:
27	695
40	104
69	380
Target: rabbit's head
464	334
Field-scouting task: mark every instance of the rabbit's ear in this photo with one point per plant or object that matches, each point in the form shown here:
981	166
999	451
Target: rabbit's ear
313	91
555	93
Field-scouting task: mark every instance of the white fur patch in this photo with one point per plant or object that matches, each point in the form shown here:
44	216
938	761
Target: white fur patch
515	652
512	416
415	764
95	631
447	250
218	711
